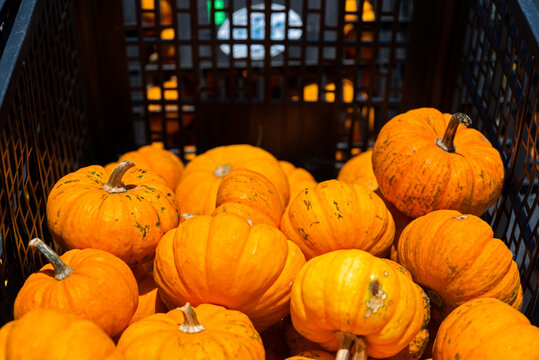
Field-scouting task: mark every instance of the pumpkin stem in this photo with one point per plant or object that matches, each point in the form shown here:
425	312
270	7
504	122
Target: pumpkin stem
447	142
115	184
359	349
61	268
222	170
351	344
187	216
190	324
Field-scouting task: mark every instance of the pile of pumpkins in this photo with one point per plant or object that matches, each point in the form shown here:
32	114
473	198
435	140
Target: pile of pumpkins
218	259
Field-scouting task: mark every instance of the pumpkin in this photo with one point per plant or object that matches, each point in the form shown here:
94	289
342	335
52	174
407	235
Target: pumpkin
149	301
401	221
358	170
485	329
84	210
424	161
419	343
456	258
185	217
225	261
156	158
250	195
90	283
298	178
312	354
369	306
334	215
205	332
50	334
197	191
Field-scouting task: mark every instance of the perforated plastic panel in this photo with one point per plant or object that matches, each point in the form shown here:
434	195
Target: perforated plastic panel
313	88
43	133
218	76
497	86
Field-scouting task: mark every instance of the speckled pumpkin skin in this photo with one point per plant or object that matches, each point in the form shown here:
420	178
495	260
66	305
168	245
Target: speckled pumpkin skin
229	334
334	215
80	214
101	288
298	178
50	334
486	329
225	261
456	257
418	177
360	294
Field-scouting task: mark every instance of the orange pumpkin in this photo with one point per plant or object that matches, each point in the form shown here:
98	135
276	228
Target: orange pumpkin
418	345
90	283
298	178
197	191
424	161
457	259
205	332
250	195
86	211
334	215
225	261
485	329
351	299
149	301
156	158
50	334
312	354
358	170
401	221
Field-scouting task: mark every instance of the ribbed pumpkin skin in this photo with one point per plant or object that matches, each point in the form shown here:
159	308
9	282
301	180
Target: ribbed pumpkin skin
156	158
197	191
149	301
359	294
417	346
418	176
229	335
223	260
486	329
456	256
80	214
101	288
49	334
298	178
334	215
358	170
250	195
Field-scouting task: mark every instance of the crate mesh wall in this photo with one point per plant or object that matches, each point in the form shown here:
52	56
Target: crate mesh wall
43	137
187	86
497	85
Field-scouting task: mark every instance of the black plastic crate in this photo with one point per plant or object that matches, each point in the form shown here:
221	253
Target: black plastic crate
76	78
